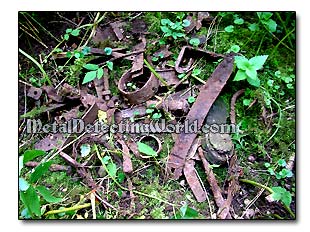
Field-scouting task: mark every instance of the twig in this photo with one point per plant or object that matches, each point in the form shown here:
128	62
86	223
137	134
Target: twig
155	73
232	105
76	207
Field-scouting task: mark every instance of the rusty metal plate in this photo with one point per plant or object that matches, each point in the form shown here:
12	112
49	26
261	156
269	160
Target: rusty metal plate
206	97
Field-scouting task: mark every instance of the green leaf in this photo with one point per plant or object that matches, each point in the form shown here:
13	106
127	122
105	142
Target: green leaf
156	116
271	171
69	30
85	150
257	62
31	154
77	55
23	184
146	149
149	111
106	159
196	72
110	65
267	165
229	28
270	83
242	62
46	194
264	15
165	21
179	34
251	72
154	58
180	76
39	171
253	27
68	54
165	29
235	48
75	32
191	99
272	25
194	41
112	169
99	73
254	82
108	51
91	67
246	102
25	214
241	75
86	50
282	162
239	21
186	23
281	194
66	36
31	200
89	76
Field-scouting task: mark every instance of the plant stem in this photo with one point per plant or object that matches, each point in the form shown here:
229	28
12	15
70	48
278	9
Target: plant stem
256	184
155	73
37	64
281	41
124	188
284	26
269	190
76	207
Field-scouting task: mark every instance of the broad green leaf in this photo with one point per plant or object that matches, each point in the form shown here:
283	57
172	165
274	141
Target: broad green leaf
75	32
267	165
69	30
112	169
251	72
108	51
165	29
186	23
85	150
272	25
39	171
270	83
264	15
77	55
120	176
91	67
31	154
254	82
25	214
156	116
149	111
241	75
196	72
246	102
154	58
46	194
257	62
194	41
66	36
235	48
191	99
165	22
31	200
23	184
229	28
281	194
242	62
106	159
282	162
89	76
86	50
110	65
239	21
253	27
146	149
99	73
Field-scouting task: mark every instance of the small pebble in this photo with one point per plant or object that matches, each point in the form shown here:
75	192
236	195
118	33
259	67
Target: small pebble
251	158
